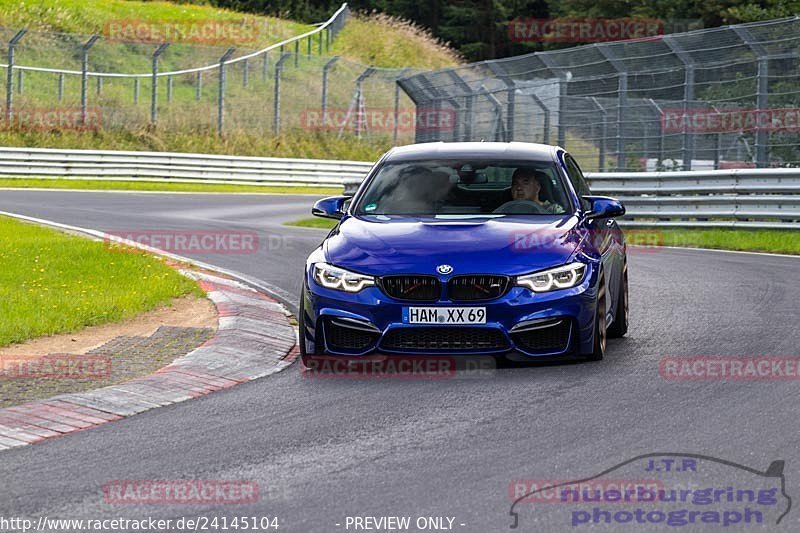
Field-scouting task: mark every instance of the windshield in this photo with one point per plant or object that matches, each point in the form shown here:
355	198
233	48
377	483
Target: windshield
446	187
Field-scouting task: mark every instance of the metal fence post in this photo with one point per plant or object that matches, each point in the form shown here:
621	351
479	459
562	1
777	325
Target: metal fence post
84	73
546	111
99	85
601	157
136	90
359	97
296	53
308	42
265	67
688	98
245	74
762	84
622	100
397	104
60	87
469	104
169	89
503	76
276	104
221	93
198	86
154	92
20	81
10	74
659	113
498	128
325	69
320	42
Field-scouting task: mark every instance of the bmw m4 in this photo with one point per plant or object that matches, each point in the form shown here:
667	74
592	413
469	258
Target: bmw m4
468	248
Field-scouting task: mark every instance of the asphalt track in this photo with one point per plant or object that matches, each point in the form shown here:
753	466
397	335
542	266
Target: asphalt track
324	449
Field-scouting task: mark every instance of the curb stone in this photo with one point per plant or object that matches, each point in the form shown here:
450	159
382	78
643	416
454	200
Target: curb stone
254	339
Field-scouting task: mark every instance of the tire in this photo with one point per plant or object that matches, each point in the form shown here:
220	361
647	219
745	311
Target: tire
620	326
305	358
600	333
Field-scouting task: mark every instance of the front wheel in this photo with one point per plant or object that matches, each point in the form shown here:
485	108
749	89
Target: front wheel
620	326
305	358
599	326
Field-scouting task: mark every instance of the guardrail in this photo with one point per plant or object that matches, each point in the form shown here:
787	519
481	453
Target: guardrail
752	198
178	167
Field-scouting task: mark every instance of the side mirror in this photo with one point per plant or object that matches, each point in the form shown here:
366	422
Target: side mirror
604	207
333	207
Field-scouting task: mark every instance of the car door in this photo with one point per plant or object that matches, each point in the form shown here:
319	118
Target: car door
604	233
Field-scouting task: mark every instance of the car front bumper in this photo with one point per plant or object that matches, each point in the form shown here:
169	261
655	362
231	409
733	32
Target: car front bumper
523	323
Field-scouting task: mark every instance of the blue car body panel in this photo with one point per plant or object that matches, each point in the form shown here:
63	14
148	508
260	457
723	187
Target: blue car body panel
378	245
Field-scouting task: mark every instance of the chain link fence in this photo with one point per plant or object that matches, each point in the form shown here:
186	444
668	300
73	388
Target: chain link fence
720	98
57	81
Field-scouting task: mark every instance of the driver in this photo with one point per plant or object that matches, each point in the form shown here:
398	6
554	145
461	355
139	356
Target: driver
526	184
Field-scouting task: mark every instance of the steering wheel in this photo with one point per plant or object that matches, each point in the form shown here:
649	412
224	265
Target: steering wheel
521	207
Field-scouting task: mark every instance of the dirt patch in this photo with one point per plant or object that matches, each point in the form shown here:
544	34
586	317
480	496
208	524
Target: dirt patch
189	311
110	354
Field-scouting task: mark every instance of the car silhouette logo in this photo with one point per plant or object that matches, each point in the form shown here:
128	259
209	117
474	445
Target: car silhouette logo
444	269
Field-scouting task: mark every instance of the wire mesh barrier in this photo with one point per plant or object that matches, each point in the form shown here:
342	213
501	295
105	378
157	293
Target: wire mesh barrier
709	99
57	81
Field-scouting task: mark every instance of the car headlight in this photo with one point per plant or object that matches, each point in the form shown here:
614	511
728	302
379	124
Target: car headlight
562	277
332	277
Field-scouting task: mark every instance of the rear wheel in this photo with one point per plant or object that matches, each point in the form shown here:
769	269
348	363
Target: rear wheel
600	332
620	326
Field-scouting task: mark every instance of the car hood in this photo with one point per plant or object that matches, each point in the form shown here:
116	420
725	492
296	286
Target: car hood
511	245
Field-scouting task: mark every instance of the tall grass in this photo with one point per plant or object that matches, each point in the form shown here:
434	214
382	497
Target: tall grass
383	41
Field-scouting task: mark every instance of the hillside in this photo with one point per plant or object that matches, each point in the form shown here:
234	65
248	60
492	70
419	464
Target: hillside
186	121
375	40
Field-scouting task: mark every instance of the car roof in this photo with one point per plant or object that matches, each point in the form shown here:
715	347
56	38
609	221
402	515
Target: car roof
472	150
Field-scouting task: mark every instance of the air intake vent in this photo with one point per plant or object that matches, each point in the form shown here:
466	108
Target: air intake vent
476	287
417	288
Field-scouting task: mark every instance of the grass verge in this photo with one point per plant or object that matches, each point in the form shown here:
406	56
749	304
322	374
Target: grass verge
771	241
55	283
101	185
313	222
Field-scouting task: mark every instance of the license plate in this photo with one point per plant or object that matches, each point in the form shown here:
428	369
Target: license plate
444	315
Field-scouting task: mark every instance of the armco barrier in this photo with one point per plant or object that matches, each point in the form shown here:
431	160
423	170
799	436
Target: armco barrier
178	167
753	198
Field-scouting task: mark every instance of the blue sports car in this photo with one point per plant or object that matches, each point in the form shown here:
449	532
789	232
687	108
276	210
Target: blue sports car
468	248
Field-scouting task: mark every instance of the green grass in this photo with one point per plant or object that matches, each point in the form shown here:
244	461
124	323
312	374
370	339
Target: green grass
772	241
54	283
313	222
92	16
100	185
312	145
